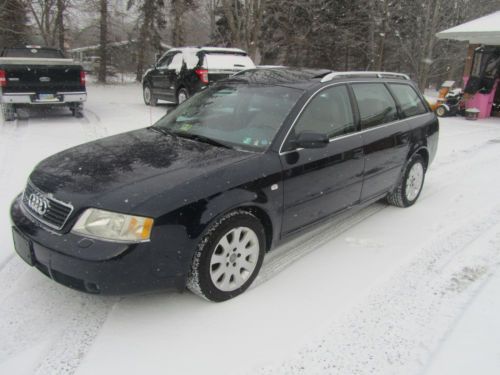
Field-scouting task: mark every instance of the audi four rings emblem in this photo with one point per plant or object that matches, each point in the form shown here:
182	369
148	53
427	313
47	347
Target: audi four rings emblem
38	204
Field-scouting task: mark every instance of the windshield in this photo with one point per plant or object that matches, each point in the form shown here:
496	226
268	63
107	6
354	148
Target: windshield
41	53
235	115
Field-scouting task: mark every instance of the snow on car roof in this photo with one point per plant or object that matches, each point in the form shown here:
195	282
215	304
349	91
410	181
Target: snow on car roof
209	49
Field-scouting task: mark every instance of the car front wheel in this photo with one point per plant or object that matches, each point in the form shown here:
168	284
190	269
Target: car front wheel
410	186
228	257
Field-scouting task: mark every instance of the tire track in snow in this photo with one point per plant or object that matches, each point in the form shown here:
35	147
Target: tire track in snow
94	129
58	323
282	257
399	326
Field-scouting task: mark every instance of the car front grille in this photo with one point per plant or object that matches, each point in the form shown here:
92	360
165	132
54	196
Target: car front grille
45	208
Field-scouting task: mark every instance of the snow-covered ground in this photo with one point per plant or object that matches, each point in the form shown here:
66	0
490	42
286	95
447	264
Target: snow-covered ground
380	291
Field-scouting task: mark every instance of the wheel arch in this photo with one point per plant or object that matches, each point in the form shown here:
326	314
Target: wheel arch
424	153
265	220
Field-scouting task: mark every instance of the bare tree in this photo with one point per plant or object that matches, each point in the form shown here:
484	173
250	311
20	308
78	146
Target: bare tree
244	20
13	23
48	17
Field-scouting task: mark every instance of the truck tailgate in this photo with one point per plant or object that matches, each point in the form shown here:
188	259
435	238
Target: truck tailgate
42	78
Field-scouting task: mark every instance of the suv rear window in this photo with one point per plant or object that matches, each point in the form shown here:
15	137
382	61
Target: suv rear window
409	101
226	61
375	103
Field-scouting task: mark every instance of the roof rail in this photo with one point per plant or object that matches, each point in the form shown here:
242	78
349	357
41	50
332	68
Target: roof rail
332	75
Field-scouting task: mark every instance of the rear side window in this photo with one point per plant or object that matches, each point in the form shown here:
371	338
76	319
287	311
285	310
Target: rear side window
329	112
409	101
375	103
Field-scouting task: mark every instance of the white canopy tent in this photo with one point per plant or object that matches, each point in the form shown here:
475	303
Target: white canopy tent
484	30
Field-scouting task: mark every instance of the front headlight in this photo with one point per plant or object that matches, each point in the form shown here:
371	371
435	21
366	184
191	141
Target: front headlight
113	226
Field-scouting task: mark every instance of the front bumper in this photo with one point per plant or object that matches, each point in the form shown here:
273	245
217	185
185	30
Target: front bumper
135	268
34	98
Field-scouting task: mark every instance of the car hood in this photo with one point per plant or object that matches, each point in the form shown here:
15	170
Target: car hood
122	171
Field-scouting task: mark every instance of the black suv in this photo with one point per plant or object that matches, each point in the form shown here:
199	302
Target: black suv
181	72
198	198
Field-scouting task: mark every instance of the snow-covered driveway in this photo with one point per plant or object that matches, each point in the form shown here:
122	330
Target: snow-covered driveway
384	290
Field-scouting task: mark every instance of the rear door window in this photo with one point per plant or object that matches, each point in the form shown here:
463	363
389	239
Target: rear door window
329	112
375	103
409	100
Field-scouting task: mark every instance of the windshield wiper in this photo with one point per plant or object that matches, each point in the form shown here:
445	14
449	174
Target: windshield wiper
163	131
202	138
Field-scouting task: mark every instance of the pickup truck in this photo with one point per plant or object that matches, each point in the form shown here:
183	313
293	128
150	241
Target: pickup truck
35	75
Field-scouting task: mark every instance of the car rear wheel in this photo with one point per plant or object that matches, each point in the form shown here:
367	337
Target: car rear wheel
149	98
410	187
228	257
182	95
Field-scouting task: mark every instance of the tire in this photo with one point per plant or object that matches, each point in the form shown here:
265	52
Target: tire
410	186
182	95
76	110
441	111
8	112
147	95
228	257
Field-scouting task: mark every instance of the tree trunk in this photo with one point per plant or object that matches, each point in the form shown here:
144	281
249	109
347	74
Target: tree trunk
60	23
103	40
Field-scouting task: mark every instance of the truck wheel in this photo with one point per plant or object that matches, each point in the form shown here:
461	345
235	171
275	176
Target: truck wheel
182	95
441	111
149	98
228	257
76	110
8	112
410	187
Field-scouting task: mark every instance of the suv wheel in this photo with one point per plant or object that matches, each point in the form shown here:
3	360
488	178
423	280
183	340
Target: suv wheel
228	257
182	95
410	187
149	98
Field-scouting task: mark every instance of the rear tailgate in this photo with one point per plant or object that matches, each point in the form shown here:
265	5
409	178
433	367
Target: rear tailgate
42	78
222	65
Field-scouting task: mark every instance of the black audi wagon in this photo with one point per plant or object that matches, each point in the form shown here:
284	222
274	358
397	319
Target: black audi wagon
198	198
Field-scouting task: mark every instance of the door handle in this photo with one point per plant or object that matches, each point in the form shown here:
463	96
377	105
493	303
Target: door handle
357	153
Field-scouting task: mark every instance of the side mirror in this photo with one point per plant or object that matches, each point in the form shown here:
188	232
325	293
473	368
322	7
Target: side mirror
311	140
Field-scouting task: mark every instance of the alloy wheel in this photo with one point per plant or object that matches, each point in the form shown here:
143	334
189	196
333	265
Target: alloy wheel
235	258
414	181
